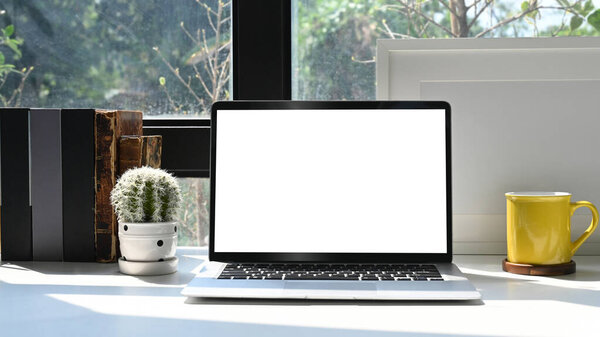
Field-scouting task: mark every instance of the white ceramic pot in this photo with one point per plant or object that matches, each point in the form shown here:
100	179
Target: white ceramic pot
150	246
147	228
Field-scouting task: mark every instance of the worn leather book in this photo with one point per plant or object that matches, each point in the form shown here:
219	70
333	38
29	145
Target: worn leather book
130	153
110	126
152	151
138	151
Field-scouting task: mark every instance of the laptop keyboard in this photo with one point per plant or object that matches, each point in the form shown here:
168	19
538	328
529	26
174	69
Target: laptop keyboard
351	272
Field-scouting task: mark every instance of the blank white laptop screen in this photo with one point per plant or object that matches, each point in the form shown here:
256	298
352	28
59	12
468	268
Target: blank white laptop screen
330	181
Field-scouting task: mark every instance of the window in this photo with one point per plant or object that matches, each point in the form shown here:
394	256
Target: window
335	40
172	59
169	59
194	212
162	57
186	155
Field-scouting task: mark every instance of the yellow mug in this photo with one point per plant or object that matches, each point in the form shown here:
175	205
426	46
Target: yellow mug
538	227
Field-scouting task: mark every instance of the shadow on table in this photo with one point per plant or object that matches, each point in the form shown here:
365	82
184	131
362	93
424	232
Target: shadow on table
138	326
43	290
62	268
313	302
39	310
576	289
184	274
61	318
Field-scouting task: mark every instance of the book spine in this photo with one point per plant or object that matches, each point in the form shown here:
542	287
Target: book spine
110	127
138	151
77	142
130	153
128	122
46	185
152	151
14	191
106	154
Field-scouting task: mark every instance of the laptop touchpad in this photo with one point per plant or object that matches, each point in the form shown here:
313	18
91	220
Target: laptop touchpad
330	285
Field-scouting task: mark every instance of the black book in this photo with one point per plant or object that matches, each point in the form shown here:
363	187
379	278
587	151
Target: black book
77	141
15	223
46	184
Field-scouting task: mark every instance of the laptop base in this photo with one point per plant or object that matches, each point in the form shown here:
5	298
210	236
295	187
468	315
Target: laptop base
454	287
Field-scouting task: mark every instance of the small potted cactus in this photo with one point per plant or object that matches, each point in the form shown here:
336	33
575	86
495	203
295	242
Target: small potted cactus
146	201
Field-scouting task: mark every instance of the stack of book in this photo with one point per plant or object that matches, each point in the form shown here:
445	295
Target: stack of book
57	169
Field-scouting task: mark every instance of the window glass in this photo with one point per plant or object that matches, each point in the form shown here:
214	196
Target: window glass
335	40
194	213
166	58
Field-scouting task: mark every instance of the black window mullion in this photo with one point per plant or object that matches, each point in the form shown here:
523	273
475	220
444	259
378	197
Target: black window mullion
262	49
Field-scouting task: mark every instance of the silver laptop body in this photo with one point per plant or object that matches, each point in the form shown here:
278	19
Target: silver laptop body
323	186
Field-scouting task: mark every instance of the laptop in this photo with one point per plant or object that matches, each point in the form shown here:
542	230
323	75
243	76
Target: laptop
331	200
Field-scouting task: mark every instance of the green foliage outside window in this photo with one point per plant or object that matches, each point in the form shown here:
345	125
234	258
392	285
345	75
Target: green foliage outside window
194	211
11	46
91	53
336	39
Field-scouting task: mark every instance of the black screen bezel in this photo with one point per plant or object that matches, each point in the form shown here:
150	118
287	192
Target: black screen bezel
286	257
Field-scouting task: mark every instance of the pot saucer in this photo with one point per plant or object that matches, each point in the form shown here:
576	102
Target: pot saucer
138	268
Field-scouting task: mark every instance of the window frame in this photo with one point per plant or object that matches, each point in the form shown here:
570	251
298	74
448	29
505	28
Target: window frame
185	145
261	70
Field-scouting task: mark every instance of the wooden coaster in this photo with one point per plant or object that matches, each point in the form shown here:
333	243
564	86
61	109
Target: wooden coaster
539	269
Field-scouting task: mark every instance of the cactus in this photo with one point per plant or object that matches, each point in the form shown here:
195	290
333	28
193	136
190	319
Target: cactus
146	194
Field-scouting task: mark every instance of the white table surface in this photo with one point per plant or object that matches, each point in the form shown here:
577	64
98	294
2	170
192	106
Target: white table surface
89	299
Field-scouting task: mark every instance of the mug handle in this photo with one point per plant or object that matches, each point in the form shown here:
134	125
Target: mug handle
575	205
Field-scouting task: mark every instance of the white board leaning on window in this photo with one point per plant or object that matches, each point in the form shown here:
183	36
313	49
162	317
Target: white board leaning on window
518	108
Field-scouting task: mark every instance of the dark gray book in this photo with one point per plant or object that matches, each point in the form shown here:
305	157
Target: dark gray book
77	141
46	184
14	191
